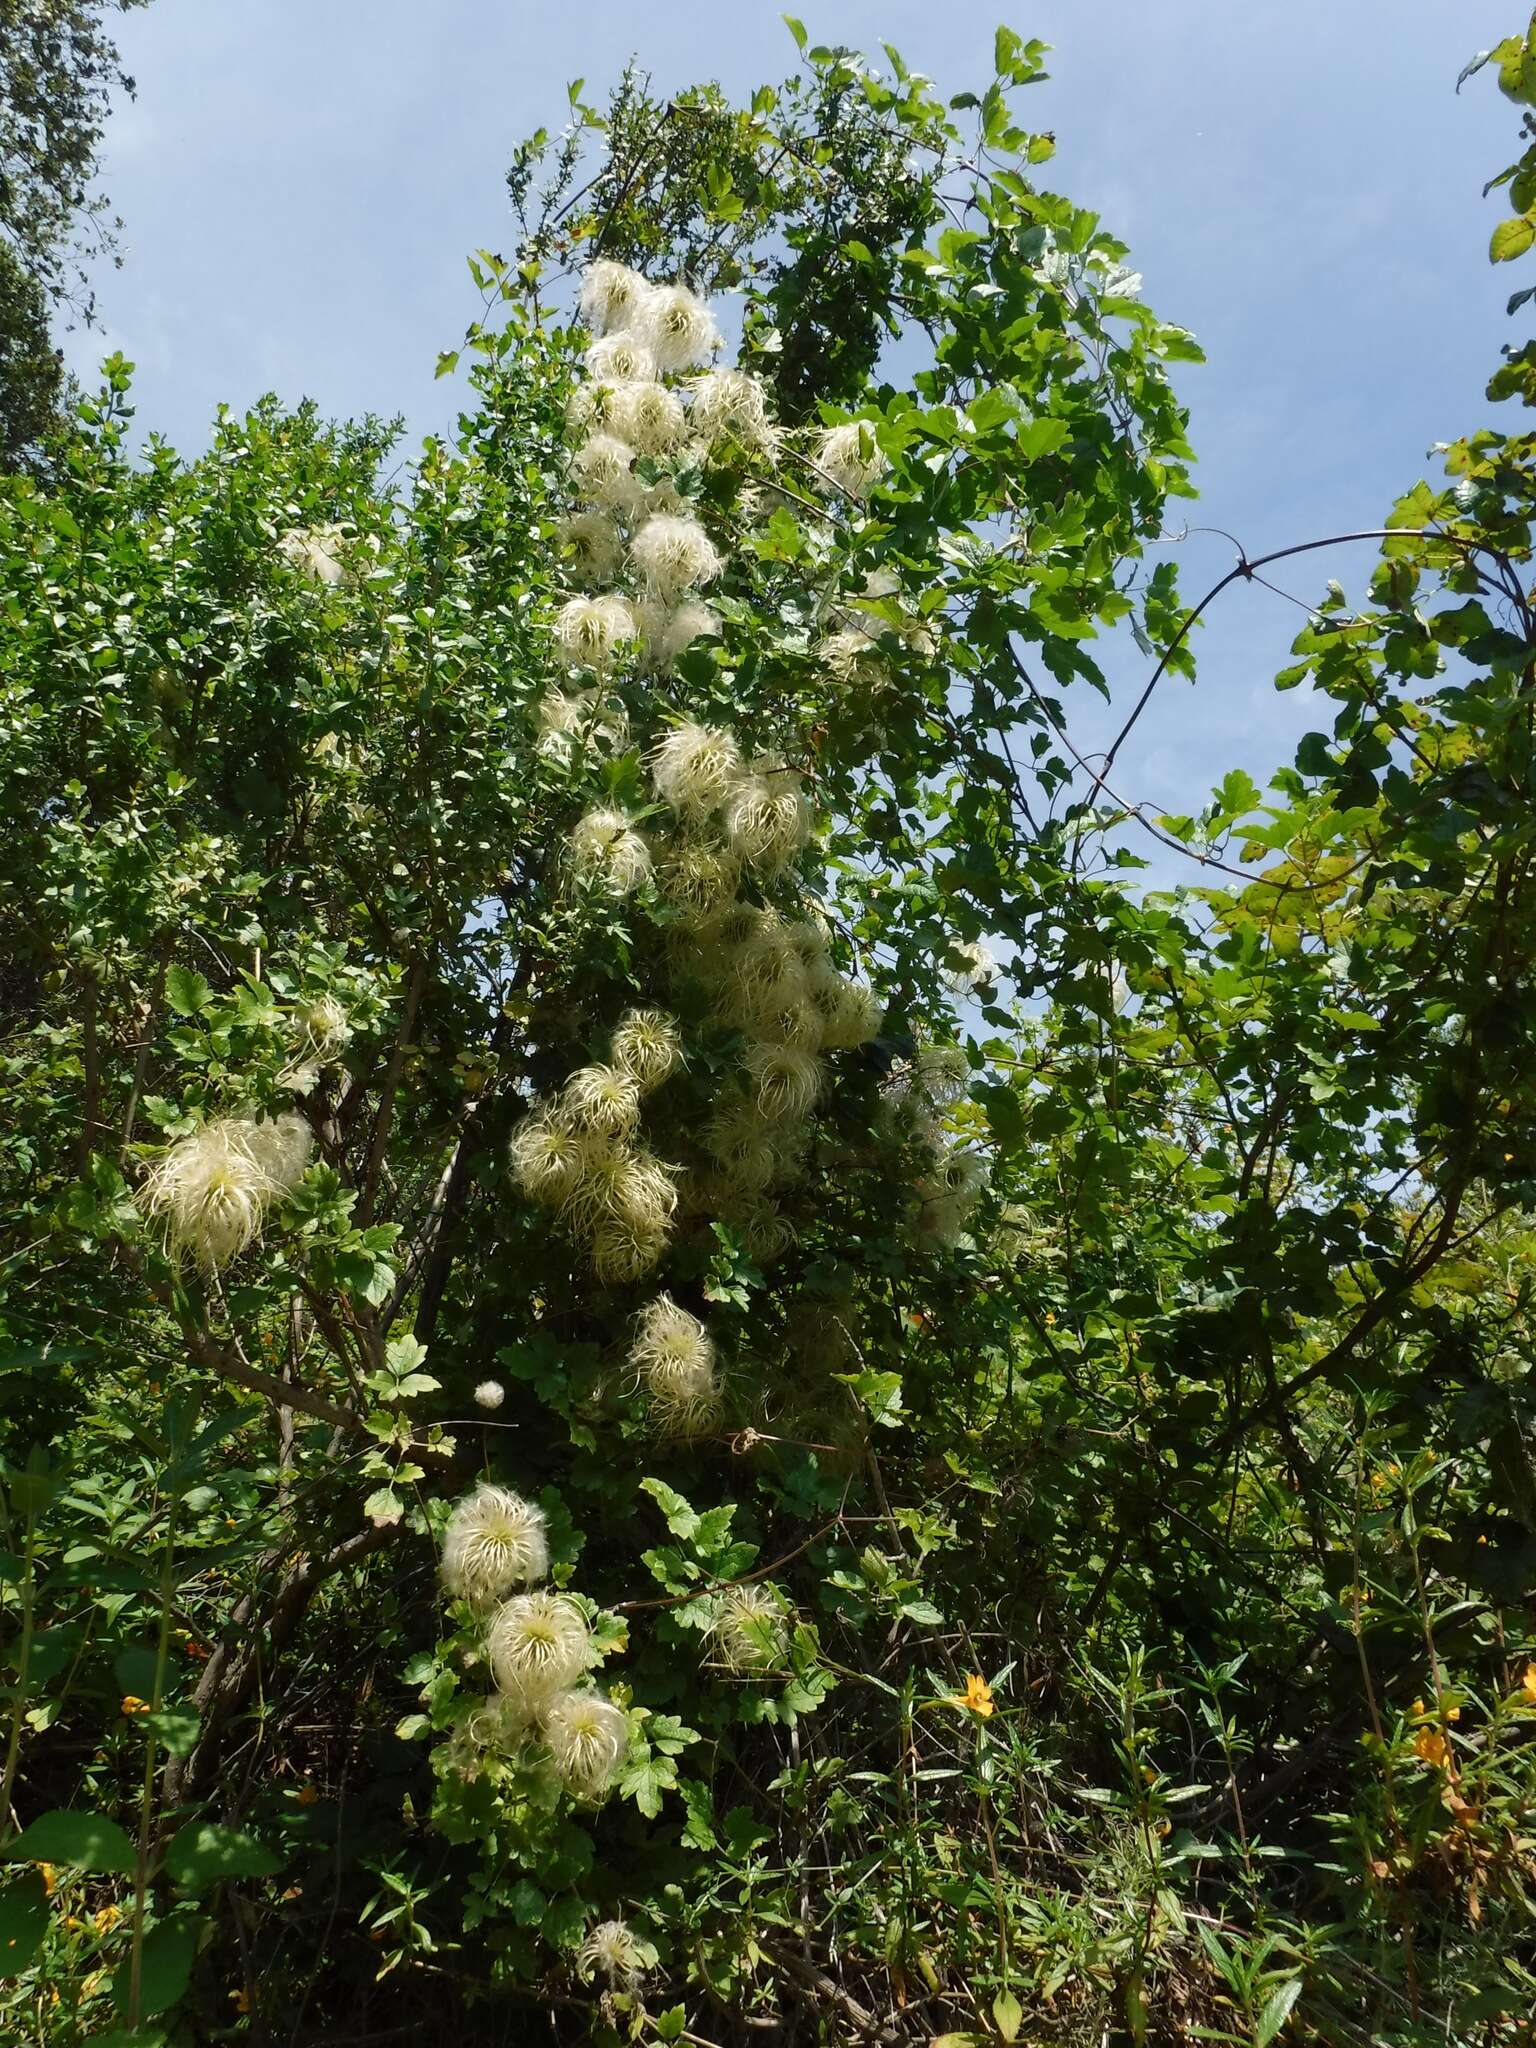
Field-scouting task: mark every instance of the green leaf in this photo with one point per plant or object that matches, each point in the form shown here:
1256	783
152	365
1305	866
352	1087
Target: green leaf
1007	2015
1511	238
880	1392
23	1920
205	1851
86	1840
1277	2010
797	30
169	1952
174	1728
186	991
681	1518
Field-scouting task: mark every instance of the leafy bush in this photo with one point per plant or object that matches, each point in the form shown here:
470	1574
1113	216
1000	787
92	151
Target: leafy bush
701	1374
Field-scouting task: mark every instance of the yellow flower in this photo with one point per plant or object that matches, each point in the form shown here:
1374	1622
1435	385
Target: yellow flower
106	1919
242	2000
1528	1684
1431	1746
50	1879
978	1697
132	1704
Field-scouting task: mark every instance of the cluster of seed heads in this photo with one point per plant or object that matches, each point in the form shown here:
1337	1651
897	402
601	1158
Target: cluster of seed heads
538	1645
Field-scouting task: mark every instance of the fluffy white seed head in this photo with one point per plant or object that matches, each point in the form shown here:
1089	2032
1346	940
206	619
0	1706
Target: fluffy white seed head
767	818
612	1951
323	1021
731	403
316	552
671	1346
648	416
680	328
590	542
538	1646
672	555
971	966
851	1014
648	1046
851	658
694	767
213	1188
699	875
621	358
849	457
614	297
941	1073
572	722
490	1394
737	1138
621	1253
603	470
587	1737
281	1147
642	1196
766	1231
668	631
748	1628
786	1080
589	631
495	1540
602	1099
604	843
492	1730
548	1159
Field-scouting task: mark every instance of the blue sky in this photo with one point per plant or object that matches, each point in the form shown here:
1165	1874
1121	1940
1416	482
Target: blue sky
1297	180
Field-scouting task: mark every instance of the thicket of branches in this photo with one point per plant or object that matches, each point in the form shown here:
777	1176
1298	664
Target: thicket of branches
674	1364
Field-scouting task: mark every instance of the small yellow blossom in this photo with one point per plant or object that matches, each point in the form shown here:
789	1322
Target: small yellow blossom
50	1879
1528	1683
106	1919
132	1704
976	1699
1431	1746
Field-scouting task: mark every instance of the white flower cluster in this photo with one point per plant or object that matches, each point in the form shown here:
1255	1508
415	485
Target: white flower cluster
538	1644
212	1190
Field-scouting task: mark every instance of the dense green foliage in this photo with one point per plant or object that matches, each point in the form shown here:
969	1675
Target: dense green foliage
58	70
1096	1601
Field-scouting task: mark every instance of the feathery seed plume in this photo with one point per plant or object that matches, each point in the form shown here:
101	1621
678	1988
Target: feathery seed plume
590	630
673	555
538	1646
748	1628
614	1951
693	768
648	416
602	1099
494	1541
592	542
849	456
647	1045
614	297
605	843
587	1737
680	328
